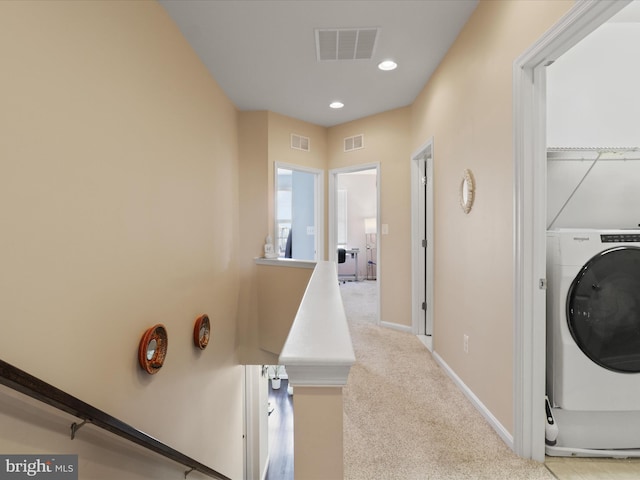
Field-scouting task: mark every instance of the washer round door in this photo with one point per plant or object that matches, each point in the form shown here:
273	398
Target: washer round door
603	309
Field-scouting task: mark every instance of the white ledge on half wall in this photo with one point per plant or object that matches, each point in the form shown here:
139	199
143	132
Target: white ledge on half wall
318	351
285	262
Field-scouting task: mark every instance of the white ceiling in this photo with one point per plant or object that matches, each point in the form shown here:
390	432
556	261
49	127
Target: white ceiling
262	53
629	14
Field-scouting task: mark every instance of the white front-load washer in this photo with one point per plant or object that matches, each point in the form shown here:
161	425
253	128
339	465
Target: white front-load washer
593	341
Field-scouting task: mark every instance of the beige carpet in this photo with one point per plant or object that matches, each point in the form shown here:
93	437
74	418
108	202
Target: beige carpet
405	418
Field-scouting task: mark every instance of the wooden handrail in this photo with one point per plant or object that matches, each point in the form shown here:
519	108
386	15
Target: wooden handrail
27	384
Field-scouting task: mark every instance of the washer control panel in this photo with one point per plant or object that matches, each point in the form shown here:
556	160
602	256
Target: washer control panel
620	238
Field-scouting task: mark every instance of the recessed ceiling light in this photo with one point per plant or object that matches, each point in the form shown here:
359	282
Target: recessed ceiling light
336	105
387	65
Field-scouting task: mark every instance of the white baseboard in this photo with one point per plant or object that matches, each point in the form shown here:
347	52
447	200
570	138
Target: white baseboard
395	326
427	341
484	411
590	452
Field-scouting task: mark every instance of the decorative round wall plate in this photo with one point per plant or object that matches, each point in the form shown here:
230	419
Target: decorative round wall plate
202	331
153	349
467	189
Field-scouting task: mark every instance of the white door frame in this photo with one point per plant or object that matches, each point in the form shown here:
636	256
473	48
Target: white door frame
529	114
318	199
256	425
422	166
333	217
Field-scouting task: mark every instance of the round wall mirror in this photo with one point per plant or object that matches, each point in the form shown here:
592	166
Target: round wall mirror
153	349
467	188
202	331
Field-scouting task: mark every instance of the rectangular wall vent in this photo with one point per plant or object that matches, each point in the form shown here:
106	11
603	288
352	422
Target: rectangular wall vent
354	143
346	43
298	142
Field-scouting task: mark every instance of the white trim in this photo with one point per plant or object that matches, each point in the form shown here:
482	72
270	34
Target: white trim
422	165
426	341
529	216
475	401
318	375
590	452
285	262
247	416
332	237
319	203
252	424
318	350
397	326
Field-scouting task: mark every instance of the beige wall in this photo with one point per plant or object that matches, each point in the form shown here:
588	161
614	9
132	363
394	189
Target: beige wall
387	141
280	291
119	210
318	427
264	138
254	226
467	108
280	129
132	193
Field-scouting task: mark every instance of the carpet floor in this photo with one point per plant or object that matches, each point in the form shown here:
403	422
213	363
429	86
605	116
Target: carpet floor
404	418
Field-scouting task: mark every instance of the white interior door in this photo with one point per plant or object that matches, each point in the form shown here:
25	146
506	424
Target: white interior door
422	243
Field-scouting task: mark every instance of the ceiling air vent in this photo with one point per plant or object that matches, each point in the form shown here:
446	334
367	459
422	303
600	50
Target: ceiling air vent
298	142
346	43
354	143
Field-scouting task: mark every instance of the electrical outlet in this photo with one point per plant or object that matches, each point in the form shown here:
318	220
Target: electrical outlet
465	344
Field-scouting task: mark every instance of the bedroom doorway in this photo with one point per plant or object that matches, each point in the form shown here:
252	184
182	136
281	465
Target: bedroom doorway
354	231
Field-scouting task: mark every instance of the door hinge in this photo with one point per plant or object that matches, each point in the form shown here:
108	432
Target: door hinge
542	284
424	306
424	243
424	181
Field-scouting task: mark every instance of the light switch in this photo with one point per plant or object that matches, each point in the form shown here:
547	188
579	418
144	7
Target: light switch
311	230
385	229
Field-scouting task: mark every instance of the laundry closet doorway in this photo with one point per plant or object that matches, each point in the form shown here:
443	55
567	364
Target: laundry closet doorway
354	229
530	155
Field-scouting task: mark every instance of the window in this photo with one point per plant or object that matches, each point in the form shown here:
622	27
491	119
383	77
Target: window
298	228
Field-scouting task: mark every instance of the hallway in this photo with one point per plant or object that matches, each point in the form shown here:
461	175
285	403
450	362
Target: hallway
405	419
